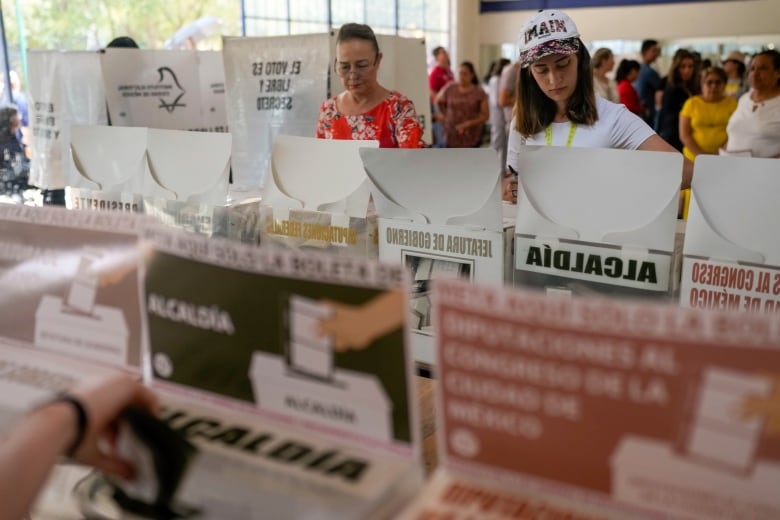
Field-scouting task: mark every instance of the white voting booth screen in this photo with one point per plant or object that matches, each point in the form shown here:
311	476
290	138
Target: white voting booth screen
574	235
273	86
731	255
212	90
65	89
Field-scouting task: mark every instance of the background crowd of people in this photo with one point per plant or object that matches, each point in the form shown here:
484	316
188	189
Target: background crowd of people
693	106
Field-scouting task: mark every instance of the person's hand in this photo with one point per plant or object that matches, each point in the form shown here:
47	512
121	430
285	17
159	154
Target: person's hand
461	127
348	327
509	188
104	401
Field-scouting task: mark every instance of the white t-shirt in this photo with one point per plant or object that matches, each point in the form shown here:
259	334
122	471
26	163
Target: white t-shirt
757	131
617	127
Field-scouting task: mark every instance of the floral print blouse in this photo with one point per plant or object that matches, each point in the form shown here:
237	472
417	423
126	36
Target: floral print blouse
393	123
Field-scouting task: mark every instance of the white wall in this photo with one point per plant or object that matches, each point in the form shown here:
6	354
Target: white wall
466	32
724	19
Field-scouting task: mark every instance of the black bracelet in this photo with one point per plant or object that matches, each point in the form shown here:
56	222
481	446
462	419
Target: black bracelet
81	420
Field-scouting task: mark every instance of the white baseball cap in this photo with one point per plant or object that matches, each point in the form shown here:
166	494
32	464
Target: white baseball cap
548	32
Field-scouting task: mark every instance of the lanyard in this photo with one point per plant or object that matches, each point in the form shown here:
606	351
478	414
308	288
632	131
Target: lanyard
548	135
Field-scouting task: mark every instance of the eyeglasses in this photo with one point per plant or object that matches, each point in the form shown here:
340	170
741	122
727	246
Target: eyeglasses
359	69
713	82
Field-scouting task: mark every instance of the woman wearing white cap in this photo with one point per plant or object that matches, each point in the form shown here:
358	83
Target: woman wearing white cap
555	103
735	68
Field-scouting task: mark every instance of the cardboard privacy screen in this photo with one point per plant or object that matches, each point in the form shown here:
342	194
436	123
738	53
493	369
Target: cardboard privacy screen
318	175
587	222
66	88
317	197
109	158
440	216
180	177
274	86
731	252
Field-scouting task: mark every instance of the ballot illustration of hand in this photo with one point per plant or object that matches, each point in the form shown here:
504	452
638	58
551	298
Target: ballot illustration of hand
766	406
356	327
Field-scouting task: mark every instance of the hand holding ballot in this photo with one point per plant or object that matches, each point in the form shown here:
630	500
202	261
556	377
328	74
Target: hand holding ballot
80	424
355	327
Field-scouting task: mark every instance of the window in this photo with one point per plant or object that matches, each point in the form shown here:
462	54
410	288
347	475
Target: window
429	19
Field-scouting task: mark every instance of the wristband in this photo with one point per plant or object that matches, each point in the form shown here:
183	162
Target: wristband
81	420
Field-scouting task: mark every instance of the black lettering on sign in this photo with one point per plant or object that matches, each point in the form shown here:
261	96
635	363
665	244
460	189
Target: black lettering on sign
276	85
587	263
275	68
274	103
269	446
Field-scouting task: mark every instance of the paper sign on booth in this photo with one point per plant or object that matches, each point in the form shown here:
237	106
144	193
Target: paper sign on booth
731	252
634	408
273	86
153	88
573	235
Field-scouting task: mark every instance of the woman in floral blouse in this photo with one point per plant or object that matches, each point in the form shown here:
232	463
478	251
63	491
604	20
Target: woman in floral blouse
366	109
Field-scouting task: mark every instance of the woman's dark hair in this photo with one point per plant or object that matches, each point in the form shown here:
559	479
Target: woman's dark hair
7	115
674	79
648	44
358	31
122	42
470	66
490	71
535	111
624	69
774	55
741	68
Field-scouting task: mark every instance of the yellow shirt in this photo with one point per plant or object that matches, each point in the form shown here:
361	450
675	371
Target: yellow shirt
708	122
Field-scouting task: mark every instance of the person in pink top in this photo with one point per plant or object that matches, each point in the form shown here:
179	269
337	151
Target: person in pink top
464	105
441	74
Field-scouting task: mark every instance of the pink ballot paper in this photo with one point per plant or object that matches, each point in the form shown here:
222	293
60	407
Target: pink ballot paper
602	408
